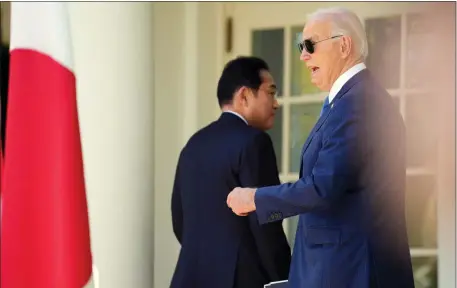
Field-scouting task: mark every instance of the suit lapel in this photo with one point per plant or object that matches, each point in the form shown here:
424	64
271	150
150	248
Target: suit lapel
316	127
346	87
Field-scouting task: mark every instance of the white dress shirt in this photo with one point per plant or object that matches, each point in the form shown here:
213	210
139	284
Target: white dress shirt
345	77
234	113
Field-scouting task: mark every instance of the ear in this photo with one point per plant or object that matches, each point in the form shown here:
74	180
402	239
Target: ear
241	97
247	96
345	46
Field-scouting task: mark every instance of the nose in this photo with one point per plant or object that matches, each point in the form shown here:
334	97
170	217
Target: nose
305	56
275	104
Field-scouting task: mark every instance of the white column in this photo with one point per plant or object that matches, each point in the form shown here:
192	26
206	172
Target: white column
113	49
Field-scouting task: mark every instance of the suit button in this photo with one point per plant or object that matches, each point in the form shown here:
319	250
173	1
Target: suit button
275	216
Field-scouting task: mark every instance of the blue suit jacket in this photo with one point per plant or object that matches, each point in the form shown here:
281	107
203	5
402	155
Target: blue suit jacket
350	195
218	248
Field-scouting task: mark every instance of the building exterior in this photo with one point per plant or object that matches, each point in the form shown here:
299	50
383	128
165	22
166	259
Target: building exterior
147	76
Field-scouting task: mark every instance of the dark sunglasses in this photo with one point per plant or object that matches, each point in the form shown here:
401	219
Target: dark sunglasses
309	44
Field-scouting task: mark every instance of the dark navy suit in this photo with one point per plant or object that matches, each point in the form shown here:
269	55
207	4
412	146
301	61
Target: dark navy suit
350	195
218	248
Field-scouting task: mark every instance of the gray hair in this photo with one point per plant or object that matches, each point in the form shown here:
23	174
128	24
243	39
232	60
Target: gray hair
344	22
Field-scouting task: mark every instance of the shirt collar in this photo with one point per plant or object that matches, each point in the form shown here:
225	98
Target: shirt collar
345	77
234	113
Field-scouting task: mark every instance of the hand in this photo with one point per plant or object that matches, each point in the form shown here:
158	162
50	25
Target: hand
241	200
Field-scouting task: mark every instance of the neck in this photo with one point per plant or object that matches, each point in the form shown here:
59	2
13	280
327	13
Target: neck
349	65
227	108
231	109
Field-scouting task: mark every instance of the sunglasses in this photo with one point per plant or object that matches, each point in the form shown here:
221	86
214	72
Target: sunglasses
309	44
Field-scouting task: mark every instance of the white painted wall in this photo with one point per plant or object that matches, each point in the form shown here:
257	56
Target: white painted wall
187	69
168	131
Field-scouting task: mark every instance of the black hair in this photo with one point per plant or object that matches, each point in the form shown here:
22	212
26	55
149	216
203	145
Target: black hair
239	72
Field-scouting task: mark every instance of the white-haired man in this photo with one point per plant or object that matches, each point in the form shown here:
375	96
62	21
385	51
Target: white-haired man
350	195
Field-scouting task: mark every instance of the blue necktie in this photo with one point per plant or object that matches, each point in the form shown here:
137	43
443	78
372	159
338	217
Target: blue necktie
325	106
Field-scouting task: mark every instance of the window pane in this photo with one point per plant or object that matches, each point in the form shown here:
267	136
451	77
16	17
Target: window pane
419	43
421	130
384	42
300	76
425	272
421	214
303	118
276	137
269	45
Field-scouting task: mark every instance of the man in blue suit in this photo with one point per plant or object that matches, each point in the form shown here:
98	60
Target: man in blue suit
350	195
218	248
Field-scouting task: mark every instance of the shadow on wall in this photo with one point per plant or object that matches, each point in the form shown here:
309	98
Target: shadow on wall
4	71
4	64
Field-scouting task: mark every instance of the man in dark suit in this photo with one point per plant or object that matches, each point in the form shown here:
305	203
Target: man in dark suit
219	249
350	195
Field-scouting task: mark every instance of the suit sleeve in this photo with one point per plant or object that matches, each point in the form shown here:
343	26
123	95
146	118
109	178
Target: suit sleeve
334	173
176	205
259	169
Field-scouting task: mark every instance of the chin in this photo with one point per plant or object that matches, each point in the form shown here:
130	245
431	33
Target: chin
268	126
322	87
318	85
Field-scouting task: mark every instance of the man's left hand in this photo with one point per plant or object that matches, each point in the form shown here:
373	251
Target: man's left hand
241	200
